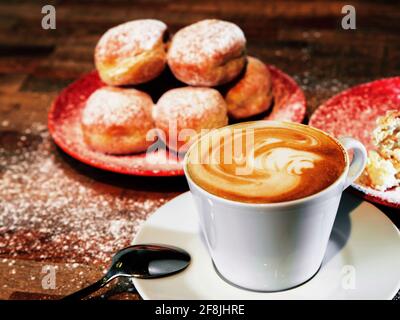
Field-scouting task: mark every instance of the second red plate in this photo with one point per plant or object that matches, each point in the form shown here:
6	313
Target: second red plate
354	113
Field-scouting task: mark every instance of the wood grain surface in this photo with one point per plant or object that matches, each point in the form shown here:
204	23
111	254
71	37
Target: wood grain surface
51	205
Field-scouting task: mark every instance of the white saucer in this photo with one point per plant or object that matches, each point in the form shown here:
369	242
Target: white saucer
362	260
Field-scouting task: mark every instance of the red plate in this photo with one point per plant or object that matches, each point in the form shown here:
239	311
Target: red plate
289	100
353	113
64	126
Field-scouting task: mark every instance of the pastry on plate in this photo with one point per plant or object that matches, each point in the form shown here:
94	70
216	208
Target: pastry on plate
252	94
182	113
133	52
117	120
387	136
207	53
383	167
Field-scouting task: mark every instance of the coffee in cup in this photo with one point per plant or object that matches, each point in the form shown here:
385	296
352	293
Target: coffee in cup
254	163
267	198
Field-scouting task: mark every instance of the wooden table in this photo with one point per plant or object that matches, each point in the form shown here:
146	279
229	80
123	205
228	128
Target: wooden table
59	216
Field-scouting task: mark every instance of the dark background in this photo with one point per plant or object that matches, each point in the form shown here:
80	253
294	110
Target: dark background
303	38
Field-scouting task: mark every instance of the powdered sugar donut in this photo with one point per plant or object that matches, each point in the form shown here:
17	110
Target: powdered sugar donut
182	113
207	53
252	94
116	120
132	53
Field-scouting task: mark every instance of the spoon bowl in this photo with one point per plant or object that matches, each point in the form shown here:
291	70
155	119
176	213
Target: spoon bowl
144	261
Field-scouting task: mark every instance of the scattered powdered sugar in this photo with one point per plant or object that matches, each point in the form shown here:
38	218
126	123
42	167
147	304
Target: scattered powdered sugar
131	38
206	40
48	211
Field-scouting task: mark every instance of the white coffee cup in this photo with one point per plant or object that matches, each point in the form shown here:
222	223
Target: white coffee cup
273	246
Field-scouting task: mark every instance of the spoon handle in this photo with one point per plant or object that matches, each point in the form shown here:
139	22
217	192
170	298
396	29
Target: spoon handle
79	295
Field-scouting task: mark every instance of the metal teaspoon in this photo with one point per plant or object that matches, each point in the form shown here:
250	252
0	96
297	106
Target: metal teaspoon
143	261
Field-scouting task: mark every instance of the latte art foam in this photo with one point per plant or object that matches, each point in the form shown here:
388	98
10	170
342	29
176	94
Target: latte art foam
263	162
286	160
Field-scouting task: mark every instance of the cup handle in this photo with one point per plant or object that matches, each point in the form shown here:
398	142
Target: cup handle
359	160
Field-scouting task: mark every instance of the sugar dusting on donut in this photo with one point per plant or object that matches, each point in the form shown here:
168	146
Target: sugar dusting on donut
206	40
180	114
115	106
189	105
130	38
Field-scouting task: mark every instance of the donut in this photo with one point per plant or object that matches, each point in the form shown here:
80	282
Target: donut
116	120
252	94
207	53
188	108
131	53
